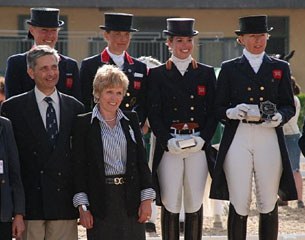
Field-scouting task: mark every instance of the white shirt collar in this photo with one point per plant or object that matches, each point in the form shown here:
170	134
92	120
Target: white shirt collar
118	59
253	57
40	96
183	61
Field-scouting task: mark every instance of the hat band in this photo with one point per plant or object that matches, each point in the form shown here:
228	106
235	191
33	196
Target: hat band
46	24
181	33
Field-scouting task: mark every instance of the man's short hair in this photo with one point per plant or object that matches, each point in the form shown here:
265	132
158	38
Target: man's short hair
37	52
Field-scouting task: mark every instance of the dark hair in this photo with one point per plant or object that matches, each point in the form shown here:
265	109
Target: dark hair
295	87
37	52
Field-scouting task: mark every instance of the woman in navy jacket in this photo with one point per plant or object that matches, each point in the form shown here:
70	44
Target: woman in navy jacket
112	179
253	144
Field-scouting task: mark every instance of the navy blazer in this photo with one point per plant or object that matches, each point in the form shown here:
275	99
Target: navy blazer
46	173
12	194
238	83
136	71
89	169
18	81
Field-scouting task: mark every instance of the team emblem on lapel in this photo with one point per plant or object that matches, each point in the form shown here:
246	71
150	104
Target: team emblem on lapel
137	85
201	90
277	74
69	80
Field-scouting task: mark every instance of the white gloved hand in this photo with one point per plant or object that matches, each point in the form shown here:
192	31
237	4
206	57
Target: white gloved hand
199	144
239	112
173	147
275	121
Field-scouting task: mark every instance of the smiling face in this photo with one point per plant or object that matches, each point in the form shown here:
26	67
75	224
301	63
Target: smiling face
45	73
110	100
254	43
181	47
44	36
118	41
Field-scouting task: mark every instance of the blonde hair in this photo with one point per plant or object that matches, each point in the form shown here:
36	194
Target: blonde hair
108	76
1	85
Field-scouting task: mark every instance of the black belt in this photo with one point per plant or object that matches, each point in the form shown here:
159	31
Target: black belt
252	122
184	131
115	180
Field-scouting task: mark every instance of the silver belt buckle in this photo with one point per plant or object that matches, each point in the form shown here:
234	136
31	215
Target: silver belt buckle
118	180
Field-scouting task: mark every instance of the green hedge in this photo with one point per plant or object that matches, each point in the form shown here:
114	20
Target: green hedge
301	96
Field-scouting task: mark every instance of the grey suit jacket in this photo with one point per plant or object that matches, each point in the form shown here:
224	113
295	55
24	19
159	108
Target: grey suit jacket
12	194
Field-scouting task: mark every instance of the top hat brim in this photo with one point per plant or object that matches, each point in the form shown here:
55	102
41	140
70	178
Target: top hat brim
60	23
239	32
118	29
187	34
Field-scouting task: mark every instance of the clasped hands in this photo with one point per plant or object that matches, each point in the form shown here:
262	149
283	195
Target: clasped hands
174	148
240	113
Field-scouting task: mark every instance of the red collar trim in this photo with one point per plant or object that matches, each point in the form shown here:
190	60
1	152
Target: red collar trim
105	57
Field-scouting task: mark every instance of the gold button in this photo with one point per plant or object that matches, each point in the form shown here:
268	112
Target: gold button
261	99
175	109
192	96
128	94
262	88
192	108
127	105
249	89
192	119
251	99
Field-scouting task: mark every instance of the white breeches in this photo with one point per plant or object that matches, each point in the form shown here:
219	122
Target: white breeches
182	176
253	154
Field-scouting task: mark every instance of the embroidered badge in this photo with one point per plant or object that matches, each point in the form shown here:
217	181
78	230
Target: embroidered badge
201	90
69	80
277	74
137	85
139	75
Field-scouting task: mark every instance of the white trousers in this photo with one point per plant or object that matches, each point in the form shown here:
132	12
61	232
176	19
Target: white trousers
253	154
182	176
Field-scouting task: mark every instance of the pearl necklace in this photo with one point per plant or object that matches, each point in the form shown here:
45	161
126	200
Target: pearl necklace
109	120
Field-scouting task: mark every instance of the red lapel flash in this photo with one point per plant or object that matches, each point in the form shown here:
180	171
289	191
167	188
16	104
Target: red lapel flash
277	74
201	90
137	85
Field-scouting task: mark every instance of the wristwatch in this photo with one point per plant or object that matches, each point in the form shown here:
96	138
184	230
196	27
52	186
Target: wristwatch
84	207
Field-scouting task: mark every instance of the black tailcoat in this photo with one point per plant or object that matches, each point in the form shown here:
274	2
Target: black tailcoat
238	83
136	71
46	173
89	168
174	98
18	81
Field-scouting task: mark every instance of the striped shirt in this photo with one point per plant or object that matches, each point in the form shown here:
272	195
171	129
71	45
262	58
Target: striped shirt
115	153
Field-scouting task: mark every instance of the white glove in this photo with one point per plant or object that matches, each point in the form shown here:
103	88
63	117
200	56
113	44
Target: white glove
275	121
173	147
199	144
239	112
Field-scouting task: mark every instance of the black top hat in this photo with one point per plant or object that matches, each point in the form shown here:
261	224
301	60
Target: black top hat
44	17
180	27
118	22
253	24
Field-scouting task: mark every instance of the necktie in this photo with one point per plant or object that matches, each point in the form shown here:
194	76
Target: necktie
51	122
